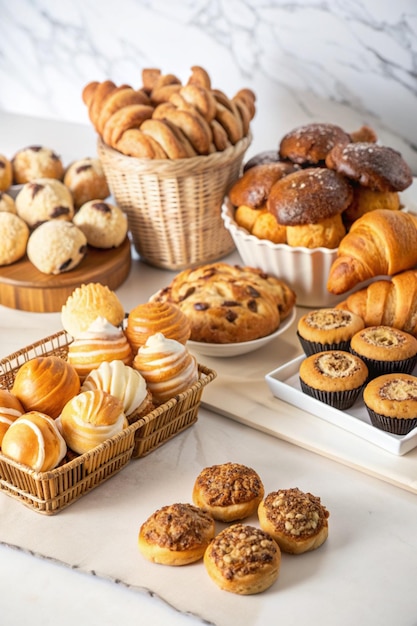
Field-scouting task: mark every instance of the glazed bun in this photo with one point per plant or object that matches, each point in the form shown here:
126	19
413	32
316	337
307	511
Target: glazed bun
45	384
90	418
156	317
34	440
10	410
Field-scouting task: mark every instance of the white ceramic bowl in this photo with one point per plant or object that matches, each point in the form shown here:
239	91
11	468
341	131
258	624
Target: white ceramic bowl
305	270
244	347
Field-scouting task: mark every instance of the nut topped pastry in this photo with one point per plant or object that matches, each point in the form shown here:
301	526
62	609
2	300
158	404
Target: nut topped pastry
229	491
228	303
243	559
391	402
327	329
176	534
296	520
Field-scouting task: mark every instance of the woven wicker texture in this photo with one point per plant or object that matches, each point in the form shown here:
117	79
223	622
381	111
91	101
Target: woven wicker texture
174	205
50	492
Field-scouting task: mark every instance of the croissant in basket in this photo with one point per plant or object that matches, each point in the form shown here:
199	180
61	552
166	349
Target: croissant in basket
166	119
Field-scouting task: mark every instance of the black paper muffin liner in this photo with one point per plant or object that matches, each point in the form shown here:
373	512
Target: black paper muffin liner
337	399
313	347
394	425
378	368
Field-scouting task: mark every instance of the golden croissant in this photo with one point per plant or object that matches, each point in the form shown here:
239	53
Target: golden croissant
387	302
380	243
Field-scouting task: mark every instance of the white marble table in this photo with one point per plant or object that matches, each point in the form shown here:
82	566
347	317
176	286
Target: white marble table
84	566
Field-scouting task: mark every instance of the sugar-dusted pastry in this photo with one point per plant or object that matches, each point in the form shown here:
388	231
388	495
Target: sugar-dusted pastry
167	366
91	417
88	302
228	491
104	224
156	317
56	246
176	534
310	144
243	559
36	162
14	235
296	520
45	384
34	439
7	203
123	382
44	199
6	173
10	409
100	342
86	180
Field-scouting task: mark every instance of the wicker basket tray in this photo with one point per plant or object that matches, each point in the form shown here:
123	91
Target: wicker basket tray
50	492
174	206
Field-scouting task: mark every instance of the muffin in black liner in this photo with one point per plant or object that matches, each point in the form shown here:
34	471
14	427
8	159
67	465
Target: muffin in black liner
385	350
335	377
337	399
327	329
391	402
394	425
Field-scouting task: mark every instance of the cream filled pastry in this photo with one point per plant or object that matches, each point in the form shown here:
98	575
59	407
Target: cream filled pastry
90	418
99	343
10	410
123	382
167	366
34	440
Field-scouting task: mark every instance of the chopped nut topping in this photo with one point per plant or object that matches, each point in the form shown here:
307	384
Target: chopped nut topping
336	364
295	513
399	390
178	526
383	336
240	550
326	319
230	483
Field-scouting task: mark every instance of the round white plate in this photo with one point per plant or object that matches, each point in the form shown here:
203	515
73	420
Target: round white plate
235	349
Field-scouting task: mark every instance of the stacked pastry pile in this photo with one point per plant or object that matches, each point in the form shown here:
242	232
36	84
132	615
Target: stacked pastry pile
57	211
319	181
243	558
60	407
165	118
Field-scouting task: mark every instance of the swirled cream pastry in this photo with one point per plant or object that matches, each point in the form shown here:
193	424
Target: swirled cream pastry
123	382
167	366
101	342
34	440
10	410
90	418
156	317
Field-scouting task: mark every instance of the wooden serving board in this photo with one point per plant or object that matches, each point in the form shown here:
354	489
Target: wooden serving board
24	287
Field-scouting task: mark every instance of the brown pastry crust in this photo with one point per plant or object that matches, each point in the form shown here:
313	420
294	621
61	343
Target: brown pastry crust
366	199
378	167
310	144
229	491
296	520
35	162
229	304
309	196
156	317
243	559
326	233
86	180
266	156
129	116
136	144
122	96
45	384
10	410
254	186
177	534
172	140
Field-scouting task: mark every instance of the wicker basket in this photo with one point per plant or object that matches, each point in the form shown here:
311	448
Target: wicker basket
174	206
50	492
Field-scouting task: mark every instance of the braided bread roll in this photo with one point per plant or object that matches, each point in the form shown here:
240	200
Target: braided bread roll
387	302
381	242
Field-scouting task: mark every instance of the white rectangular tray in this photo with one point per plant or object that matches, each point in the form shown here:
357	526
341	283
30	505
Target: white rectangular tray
284	384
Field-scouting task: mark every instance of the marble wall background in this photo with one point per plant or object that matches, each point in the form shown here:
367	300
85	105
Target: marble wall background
344	61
